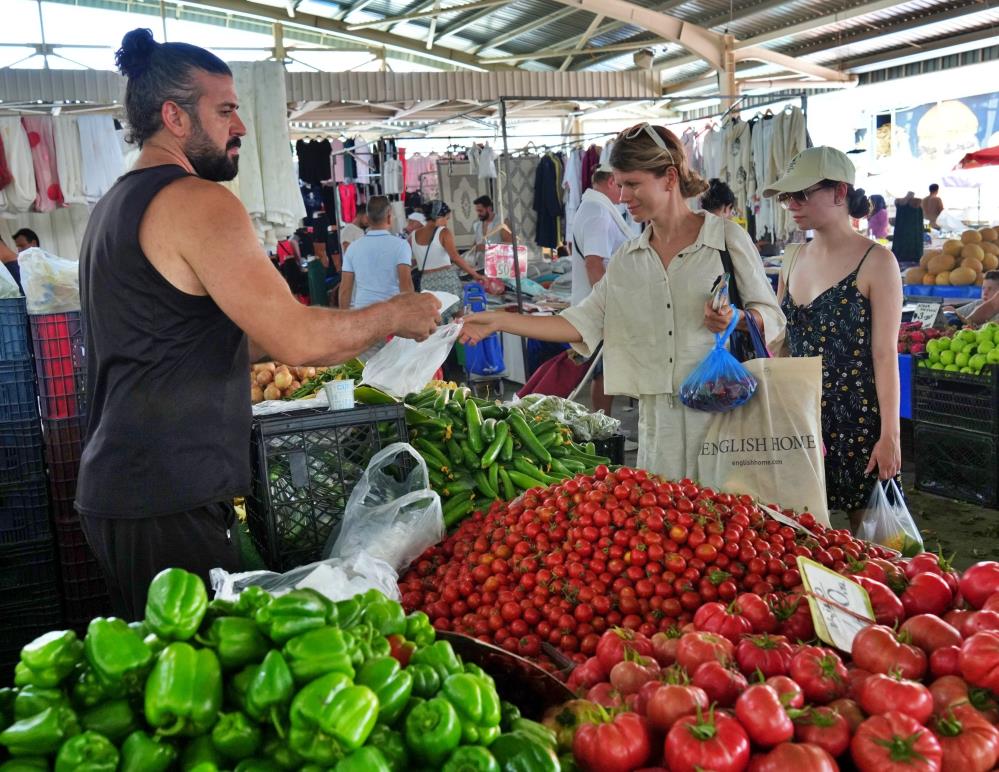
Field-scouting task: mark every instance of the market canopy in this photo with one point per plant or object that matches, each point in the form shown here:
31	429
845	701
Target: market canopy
987	157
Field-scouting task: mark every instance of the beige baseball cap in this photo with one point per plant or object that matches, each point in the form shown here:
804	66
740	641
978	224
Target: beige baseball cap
810	167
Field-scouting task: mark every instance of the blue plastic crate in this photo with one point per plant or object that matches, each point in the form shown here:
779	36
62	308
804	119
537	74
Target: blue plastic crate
13	330
24	512
20	451
18	398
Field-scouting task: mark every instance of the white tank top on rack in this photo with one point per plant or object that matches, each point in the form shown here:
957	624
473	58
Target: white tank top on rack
437	257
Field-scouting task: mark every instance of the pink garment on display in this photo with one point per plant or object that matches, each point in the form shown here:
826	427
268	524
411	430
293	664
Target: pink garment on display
348	202
405	164
43	156
591	160
5	176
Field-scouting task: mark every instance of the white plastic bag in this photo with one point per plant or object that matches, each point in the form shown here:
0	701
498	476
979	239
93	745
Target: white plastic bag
337	579
392	515
405	366
887	521
51	284
8	287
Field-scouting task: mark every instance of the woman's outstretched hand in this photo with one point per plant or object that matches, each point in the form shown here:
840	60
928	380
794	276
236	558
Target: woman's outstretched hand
481	325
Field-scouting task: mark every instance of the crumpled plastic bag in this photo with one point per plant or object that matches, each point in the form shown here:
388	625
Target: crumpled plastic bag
8	287
585	425
719	383
887	521
51	284
391	513
404	366
337	579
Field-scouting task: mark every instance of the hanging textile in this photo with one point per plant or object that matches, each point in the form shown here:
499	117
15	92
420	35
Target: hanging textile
517	183
362	157
605	154
48	194
739	161
60	231
348	202
459	187
336	148
5	175
100	150
398	217
763	208
349	162
548	202
487	164
590	162
392	177
692	149
572	188
789	139
69	161
713	153
314	160
19	194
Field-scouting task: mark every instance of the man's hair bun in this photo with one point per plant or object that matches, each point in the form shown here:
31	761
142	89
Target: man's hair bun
137	48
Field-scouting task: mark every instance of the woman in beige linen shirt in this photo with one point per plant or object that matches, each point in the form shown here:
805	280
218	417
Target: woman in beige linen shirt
652	308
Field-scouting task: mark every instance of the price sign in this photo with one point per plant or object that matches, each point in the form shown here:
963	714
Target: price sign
840	607
927	313
784	519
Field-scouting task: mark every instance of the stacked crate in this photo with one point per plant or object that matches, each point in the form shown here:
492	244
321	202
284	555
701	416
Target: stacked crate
29	591
60	364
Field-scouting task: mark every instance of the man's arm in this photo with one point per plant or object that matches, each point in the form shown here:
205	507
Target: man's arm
405	278
595	269
206	227
985	312
346	288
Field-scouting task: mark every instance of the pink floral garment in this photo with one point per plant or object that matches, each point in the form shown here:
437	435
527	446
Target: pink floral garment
43	156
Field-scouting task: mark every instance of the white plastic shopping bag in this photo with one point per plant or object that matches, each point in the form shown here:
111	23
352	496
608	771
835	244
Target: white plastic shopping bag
405	366
51	284
887	521
8	287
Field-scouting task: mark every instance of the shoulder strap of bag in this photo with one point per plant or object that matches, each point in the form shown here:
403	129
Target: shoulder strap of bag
759	344
430	243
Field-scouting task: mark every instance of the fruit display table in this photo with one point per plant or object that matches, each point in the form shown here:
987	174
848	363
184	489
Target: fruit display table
969	292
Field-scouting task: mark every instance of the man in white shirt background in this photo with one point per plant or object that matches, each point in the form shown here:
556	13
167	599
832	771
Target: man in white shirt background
355	229
488	229
376	267
599	230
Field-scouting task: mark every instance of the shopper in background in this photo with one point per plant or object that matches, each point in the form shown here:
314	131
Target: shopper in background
877	220
653	307
354	230
414	222
434	253
488	229
842	295
718	199
376	266
26	239
593	246
9	259
984	310
907	237
176	292
933	205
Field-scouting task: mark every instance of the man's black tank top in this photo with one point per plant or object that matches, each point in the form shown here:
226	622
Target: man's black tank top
168	423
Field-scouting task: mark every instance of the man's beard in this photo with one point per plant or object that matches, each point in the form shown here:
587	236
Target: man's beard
208	161
484	217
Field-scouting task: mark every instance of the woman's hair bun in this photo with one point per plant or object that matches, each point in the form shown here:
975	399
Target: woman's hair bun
857	203
137	47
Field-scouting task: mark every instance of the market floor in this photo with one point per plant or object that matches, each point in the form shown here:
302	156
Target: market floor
952	527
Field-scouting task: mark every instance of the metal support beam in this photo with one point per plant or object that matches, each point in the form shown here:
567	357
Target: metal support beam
619	47
665	7
432	13
459	26
529	27
582	41
792	63
823	21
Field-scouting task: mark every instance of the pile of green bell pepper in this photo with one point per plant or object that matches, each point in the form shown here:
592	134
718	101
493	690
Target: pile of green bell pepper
260	684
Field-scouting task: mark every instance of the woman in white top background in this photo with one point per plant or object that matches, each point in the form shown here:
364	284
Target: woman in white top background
652	308
435	254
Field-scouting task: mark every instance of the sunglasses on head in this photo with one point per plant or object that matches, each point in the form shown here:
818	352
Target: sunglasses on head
800	196
636	131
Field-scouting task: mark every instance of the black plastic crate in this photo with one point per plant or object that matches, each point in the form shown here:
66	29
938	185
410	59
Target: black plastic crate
612	447
13	330
28	573
960	400
20	624
63	447
305	465
61	364
24	512
84	589
18	398
957	464
20	451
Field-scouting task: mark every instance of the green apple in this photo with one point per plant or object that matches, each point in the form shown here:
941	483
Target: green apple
934	357
937	366
968	336
965	369
993	356
943	343
977	362
947	357
985	346
952	368
932	347
986	335
962	359
958	345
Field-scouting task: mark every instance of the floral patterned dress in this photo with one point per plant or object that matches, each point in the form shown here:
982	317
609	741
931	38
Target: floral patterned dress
837	327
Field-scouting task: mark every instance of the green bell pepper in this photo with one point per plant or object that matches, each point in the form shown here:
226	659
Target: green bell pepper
26	764
41	734
368	643
277	750
346	613
365	759
508	714
426	682
88	690
184	690
237	640
419	629
48	659
115	720
351	716
270	690
293	614
306	737
478	707
385	616
235	687
471	758
116	653
176	604
475	670
87	752
200	752
250	600
392	746
257	765
7	697
539	732
433	731
32	700
520	752
390	683
155	643
441	657
235	737
321	651
141	753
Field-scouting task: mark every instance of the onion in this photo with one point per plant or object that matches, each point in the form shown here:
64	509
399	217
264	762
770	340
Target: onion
265	377
283	379
272	392
270	366
256	395
310	373
295	386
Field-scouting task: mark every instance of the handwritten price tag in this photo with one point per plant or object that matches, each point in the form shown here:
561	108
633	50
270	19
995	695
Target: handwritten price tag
927	312
840	607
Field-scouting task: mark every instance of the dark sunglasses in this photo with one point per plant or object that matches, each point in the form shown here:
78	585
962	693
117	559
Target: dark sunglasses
800	197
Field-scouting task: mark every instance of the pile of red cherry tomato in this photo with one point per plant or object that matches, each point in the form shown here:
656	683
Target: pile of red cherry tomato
683	611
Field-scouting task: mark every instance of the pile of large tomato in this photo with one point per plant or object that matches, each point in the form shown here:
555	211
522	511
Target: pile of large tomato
561	565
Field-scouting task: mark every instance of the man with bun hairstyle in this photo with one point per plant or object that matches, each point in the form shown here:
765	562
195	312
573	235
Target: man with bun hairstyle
177	298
